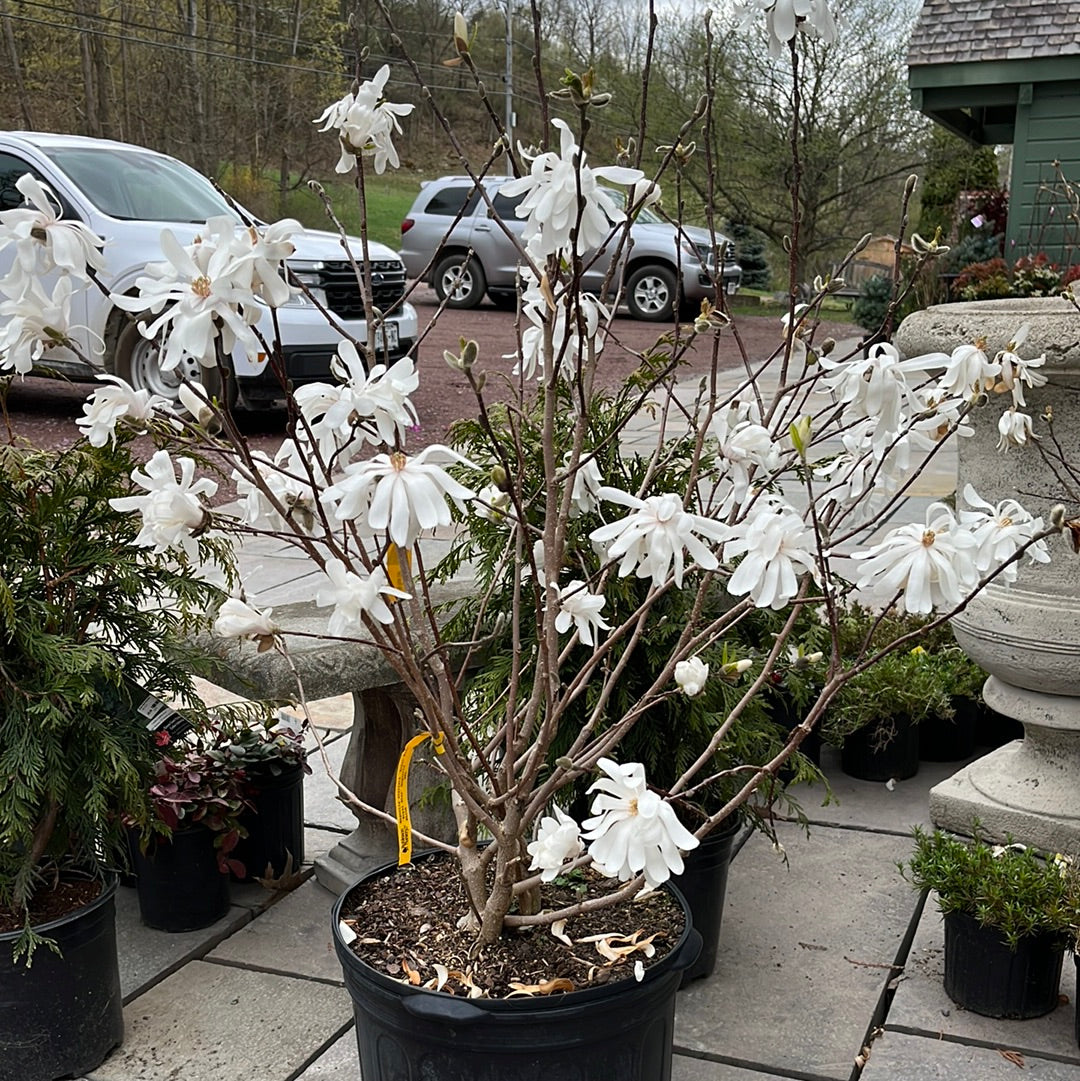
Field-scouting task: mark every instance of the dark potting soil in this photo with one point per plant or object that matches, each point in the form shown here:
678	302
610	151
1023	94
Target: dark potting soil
50	903
406	924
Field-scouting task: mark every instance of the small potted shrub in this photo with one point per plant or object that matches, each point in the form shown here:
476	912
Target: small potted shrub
90	620
1008	915
270	750
183	861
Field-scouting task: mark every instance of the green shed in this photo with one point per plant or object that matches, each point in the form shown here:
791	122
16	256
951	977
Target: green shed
1008	71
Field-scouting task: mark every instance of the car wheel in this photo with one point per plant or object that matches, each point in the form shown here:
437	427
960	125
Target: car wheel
459	281
137	360
650	294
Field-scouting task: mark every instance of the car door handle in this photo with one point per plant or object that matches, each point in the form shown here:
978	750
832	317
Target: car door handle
482	227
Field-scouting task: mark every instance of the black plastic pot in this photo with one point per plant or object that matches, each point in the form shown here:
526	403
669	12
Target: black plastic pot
180	886
950	740
703	884
620	1031
995	729
1076	1011
983	975
61	1016
882	750
275	824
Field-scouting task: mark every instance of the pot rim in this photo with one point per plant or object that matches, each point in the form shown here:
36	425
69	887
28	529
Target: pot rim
110	882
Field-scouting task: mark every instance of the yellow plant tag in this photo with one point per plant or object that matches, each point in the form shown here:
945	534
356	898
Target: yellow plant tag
401	794
393	567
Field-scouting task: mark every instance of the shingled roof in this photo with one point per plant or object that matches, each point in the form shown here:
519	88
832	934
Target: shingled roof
968	31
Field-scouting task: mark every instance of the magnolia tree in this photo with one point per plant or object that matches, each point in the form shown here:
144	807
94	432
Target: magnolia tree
751	503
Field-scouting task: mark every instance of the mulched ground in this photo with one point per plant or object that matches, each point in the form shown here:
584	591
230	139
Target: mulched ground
406	925
50	904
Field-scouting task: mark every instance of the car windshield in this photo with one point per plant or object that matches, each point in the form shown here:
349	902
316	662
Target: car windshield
136	186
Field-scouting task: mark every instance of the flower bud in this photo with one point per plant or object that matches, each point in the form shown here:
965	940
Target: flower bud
461	33
1057	516
499	478
827	346
910	185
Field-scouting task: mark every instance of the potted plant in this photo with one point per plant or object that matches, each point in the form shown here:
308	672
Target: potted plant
877	714
1008	912
183	861
89	622
269	748
599	573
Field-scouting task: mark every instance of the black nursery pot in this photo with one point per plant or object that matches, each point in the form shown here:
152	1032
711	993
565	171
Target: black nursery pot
275	824
983	975
622	1030
873	753
61	1016
704	885
950	740
180	885
1076	1011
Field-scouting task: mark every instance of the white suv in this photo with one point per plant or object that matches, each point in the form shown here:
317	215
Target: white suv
662	267
127	195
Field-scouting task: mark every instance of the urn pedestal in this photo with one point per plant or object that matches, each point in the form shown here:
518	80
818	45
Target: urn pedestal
1027	635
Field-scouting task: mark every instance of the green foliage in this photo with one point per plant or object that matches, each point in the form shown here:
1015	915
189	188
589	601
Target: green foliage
919	681
954	167
750	255
83	612
872	304
1008	887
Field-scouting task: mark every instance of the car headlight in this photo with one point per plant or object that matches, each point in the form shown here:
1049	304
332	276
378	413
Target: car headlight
310	276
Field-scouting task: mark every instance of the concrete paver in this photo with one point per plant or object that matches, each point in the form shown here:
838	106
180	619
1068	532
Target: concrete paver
212	1022
292	936
898	1057
804	952
341	1062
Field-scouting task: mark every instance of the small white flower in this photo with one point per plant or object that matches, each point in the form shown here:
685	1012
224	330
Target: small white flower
558	840
107	406
285	480
366	123
563	194
236	619
777	547
657	532
491	501
400	495
172	510
354	597
579	608
930	565
999	531
1014	428
691	675
584	499
633	829
968	371
43	241
33	323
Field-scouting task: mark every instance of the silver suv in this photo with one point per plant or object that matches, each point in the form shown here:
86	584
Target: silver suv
452	239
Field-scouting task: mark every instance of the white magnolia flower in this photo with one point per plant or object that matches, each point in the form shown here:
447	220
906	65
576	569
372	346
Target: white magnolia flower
558	840
32	323
373	405
286	481
691	675
875	387
579	608
575	330
491	500
366	123
743	447
398	494
237	619
777	547
968	371
656	532
929	565
584	499
1015	429
172	510
43	241
1016	372
204	292
634	830
1000	531
354	597
563	194
785	18
107	406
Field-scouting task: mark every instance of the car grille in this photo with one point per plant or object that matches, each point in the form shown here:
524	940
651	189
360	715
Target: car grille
343	292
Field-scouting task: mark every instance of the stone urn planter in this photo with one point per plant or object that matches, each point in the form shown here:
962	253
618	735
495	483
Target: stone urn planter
1026	635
